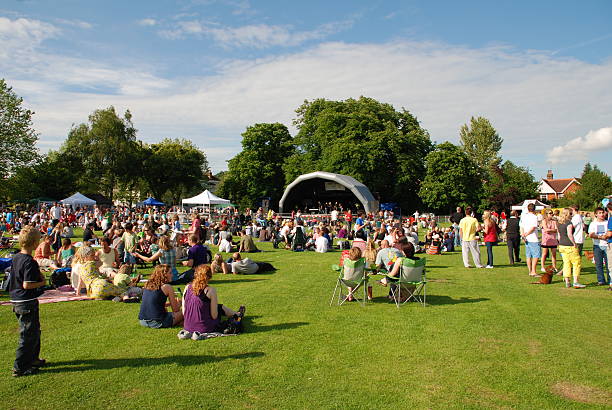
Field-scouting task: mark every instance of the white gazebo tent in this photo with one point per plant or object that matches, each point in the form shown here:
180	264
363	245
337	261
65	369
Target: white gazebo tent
78	199
522	206
205	198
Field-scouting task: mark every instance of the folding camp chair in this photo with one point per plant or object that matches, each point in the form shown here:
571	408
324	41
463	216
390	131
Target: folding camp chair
352	277
5	264
411	280
299	240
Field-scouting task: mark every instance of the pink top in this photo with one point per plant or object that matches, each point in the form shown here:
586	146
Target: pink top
549	239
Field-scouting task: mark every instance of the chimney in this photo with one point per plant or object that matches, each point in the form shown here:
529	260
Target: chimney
549	174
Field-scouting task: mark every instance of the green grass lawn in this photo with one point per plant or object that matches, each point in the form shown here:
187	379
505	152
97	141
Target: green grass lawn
488	338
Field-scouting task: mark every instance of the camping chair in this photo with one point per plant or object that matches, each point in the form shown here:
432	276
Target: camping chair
411	280
5	264
352	276
299	240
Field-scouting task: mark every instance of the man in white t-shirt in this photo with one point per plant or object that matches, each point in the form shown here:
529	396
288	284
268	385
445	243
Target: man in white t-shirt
334	216
56	212
597	231
529	233
578	228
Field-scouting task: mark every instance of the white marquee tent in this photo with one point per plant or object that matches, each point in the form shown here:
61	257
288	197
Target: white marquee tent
205	198
522	206
78	199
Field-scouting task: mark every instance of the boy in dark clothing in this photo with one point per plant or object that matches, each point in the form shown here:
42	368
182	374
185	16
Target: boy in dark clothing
24	286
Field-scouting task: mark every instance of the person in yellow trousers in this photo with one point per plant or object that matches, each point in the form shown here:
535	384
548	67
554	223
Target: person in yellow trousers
568	248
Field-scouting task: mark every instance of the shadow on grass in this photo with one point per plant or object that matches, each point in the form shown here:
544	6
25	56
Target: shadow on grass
104	364
234	280
447	300
250	327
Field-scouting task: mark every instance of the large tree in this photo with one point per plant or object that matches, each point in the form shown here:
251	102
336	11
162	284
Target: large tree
257	171
481	143
174	168
508	184
452	179
366	139
17	136
595	185
103	151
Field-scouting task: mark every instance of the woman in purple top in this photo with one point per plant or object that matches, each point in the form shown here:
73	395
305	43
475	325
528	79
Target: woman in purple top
201	308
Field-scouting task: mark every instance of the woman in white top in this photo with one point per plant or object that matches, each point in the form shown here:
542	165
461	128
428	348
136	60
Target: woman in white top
109	258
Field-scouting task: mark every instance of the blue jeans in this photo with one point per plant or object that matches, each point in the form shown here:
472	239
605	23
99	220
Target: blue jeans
457	237
28	349
600	257
489	253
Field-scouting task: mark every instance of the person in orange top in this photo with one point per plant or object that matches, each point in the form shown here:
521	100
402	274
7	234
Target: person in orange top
42	255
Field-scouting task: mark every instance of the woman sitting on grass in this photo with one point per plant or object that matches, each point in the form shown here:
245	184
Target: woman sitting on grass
65	253
201	307
408	251
108	256
218	265
166	256
156	292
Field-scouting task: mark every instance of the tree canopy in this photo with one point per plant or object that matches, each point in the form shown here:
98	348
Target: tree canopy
481	143
508	184
595	185
366	139
17	136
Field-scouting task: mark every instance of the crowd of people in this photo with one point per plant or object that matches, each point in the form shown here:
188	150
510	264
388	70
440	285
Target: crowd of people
103	266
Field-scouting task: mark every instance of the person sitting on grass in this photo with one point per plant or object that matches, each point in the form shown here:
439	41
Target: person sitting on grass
247	267
166	256
218	265
24	287
246	243
386	256
201	308
156	293
392	276
196	256
108	256
65	253
42	255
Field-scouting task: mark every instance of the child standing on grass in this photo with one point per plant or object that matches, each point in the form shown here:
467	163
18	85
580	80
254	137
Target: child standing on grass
130	239
25	283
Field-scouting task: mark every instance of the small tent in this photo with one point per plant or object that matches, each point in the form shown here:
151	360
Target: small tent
522	206
78	199
206	198
150	201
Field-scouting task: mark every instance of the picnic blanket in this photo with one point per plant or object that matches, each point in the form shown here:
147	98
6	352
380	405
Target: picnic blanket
54	296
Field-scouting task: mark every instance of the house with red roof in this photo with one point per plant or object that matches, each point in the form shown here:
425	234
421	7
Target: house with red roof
551	188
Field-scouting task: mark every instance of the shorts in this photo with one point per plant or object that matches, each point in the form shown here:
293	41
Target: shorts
129	258
549	246
533	250
168	321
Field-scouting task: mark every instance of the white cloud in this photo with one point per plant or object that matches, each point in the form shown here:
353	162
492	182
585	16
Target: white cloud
578	148
532	98
147	22
255	35
75	23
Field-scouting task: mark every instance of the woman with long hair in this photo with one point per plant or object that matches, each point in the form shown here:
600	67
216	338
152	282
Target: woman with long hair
568	248
166	256
549	240
201	308
218	265
156	293
490	236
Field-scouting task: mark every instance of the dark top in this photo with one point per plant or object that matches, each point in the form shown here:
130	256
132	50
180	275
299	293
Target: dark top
87	234
198	254
564	240
24	269
153	306
512	228
456	217
197	313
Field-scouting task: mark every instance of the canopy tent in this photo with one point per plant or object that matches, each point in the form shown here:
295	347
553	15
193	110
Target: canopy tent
205	198
77	200
150	201
522	206
319	186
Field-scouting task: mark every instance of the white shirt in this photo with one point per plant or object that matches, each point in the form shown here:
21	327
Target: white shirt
56	211
322	244
527	222
578	228
334	215
599	228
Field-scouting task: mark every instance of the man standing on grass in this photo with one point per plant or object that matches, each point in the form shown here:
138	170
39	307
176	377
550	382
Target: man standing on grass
24	287
468	226
609	236
529	233
455	219
597	231
578	228
513	238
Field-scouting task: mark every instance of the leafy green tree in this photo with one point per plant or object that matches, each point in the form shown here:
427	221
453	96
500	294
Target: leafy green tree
368	140
481	143
174	168
595	185
452	179
508	184
103	151
17	137
257	171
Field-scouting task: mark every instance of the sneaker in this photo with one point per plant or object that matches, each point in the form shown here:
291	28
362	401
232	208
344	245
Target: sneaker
184	335
489	267
29	372
39	363
578	286
198	336
241	311
117	299
542	270
480	267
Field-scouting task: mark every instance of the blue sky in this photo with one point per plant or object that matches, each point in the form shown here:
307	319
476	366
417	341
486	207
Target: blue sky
205	69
